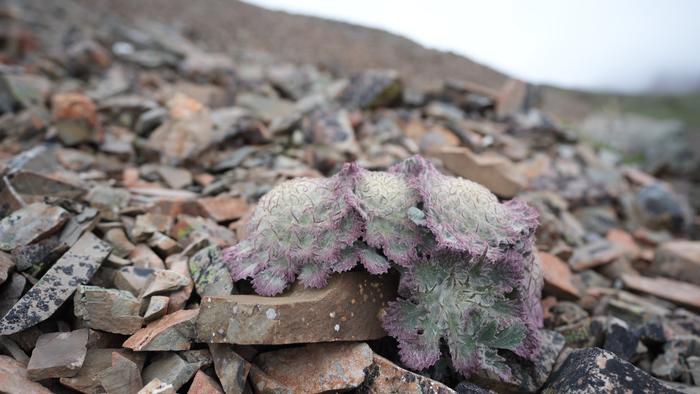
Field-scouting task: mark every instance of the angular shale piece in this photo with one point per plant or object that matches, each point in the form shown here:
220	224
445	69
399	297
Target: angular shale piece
75	267
468	273
58	354
346	310
110	310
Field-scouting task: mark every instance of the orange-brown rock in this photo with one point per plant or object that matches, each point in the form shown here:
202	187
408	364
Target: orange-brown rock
495	172
318	367
224	208
204	384
558	278
387	377
172	332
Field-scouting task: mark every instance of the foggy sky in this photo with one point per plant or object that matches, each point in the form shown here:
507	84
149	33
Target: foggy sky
616	45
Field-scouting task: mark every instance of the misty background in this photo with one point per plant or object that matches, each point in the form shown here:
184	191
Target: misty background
625	46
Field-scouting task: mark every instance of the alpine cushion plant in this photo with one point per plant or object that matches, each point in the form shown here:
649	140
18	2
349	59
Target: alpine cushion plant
468	275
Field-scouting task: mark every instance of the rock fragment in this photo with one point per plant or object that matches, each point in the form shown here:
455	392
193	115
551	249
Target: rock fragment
318	367
58	354
678	292
595	254
124	377
231	368
75	267
172	332
678	260
13	376
157	308
169	368
595	370
371	89
110	310
204	384
224	208
558	278
30	224
6	266
383	376
210	275
345	310
75	117
526	376
162	281
491	170
155	386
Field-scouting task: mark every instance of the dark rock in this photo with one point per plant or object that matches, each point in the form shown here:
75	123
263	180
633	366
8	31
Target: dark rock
656	206
371	89
75	267
526	376
598	371
621	339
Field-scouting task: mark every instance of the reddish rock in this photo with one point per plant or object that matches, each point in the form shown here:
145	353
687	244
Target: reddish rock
679	260
204	384
558	278
345	310
264	384
318	367
143	256
13	376
173	332
224	208
75	117
58	354
387	377
187	133
491	170
677	292
624	240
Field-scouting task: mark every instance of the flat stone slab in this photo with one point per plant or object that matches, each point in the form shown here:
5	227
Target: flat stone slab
318	367
75	267
29	224
672	290
172	332
58	355
345	310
